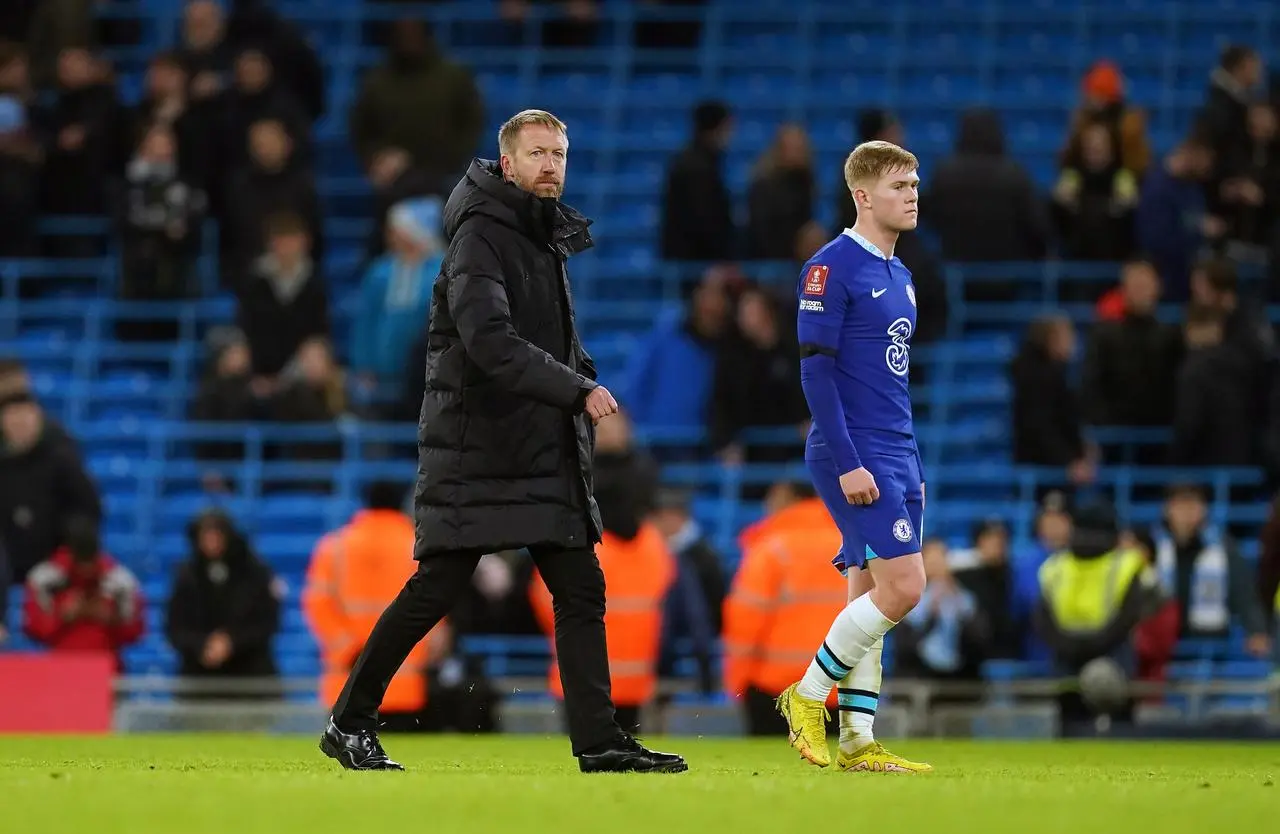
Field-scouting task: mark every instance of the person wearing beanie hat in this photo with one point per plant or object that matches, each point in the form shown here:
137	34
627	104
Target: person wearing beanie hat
395	296
1102	91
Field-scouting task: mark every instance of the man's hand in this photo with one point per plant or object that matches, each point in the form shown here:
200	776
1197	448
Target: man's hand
859	487
74	608
217	649
600	404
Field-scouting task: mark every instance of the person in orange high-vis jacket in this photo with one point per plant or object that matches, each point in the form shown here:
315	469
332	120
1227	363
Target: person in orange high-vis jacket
638	573
781	603
355	572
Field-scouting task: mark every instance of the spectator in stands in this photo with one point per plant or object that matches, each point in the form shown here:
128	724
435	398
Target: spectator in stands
869	126
498	599
82	123
1224	119
1103	103
226	392
21	156
43	483
626	478
1250	188
297	65
421	103
225	607
671	370
697	210
1215	419
982	203
782	600
204	51
1094	199
395	180
1171	223
355	572
1201	567
947	635
284	302
756	383
166	101
160	215
1094	595
1156	637
780	199
394	299
311	389
1047	420
1052	535
693	552
58	25
1130	364
275	180
82	600
985	572
258	96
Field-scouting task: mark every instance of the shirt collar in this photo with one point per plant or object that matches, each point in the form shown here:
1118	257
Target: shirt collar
866	244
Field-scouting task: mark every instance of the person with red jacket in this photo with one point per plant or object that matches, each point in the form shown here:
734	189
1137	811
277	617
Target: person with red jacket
82	600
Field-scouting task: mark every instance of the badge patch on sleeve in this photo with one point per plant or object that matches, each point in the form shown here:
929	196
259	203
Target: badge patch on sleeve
815	281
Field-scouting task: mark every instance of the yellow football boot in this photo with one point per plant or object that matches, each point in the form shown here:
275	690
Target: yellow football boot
873	758
807	720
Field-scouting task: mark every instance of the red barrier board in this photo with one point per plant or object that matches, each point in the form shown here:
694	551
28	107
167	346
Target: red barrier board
55	693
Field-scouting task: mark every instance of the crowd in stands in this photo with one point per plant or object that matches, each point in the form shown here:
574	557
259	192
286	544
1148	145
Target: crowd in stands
220	143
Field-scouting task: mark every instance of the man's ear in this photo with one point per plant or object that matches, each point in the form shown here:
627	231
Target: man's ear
504	162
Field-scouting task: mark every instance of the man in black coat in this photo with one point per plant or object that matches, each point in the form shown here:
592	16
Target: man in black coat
505	445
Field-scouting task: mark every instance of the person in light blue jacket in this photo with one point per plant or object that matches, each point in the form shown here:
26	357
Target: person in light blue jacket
395	296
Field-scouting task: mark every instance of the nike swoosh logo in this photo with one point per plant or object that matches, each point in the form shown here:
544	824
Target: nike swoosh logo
878	293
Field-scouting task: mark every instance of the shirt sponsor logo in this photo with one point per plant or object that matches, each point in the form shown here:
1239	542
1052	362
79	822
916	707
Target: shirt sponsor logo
811	305
815	281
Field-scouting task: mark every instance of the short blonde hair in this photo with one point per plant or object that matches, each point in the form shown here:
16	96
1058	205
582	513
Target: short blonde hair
511	127
872	160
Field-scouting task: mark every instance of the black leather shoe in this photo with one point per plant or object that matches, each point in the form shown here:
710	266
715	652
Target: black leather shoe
626	755
356	751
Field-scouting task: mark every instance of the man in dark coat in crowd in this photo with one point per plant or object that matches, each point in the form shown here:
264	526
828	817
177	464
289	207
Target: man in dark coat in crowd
225	607
505	439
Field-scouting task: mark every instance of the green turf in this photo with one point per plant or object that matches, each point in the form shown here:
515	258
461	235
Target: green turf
247	784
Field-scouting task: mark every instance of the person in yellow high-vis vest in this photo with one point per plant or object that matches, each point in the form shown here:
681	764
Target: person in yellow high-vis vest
1093	595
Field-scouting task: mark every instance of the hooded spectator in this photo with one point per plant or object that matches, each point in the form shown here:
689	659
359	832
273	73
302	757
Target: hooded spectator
697	209
421	103
1095	198
225	606
43	483
82	600
982	203
395	297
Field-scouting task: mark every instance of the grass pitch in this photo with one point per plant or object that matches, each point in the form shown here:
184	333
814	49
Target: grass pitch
146	784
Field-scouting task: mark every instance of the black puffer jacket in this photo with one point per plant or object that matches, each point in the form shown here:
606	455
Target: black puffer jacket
505	449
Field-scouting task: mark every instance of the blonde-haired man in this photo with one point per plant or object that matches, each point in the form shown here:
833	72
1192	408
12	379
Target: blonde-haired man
857	315
505	446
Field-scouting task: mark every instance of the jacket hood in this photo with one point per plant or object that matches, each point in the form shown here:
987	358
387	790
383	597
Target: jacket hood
483	192
980	133
237	553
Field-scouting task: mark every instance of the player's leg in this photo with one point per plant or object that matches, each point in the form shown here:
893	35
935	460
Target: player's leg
859	691
351	736
902	578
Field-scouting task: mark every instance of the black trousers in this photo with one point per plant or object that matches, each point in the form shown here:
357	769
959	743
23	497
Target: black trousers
576	584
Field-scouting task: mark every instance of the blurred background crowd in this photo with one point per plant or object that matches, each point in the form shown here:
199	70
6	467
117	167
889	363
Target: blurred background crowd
221	224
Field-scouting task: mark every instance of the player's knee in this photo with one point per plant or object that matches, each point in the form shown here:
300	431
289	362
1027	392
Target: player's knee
903	588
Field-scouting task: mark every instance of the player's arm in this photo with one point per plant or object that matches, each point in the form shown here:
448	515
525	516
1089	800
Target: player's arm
824	303
477	297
